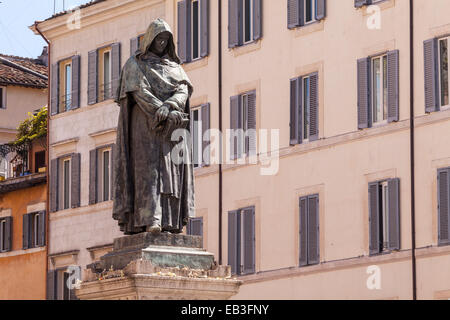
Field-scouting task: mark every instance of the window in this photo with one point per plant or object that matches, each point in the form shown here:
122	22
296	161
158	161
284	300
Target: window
241	241
243	125
2	97
443	183
65	182
193	29
378	89
61	282
195	227
384	216
104	174
309	230
135	44
3	168
5	234
34	230
443	71
304	107
200	135
65	86
245	22
39	161
104	74
101	174
304	12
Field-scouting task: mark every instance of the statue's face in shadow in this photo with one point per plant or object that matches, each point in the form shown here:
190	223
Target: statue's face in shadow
159	45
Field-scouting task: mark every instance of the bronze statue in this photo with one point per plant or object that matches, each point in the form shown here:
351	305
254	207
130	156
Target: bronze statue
151	192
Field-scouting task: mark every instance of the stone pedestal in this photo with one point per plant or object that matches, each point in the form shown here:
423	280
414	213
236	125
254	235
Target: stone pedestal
161	266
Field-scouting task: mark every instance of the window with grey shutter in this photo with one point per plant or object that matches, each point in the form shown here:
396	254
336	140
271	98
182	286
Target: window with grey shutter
235	124
55	89
52	285
92	77
234	23
393	85
394	214
248	241
374	223
7	245
314	107
321	9
195	227
363	93
134	45
115	68
234	245
251	124
296	111
93	159
257	19
41	229
430	52
313	230
26	231
75	96
54	185
303	239
204	23
206	137
293	13
75	179
184	26
443	206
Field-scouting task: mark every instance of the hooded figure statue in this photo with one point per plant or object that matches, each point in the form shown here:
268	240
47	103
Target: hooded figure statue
152	192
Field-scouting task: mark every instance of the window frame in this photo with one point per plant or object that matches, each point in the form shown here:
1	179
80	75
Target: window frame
104	89
244	28
101	176
198	129
313	12
2	235
62	179
199	33
2	97
384	90
439	60
65	99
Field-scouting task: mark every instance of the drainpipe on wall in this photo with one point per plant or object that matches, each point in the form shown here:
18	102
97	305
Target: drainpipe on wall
220	128
412	150
47	157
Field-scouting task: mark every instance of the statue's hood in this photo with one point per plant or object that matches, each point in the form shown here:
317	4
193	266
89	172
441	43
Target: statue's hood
156	27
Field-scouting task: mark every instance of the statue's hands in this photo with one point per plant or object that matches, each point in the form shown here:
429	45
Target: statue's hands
162	113
176	117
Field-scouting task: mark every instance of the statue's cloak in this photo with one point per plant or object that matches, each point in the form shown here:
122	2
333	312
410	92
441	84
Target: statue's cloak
148	186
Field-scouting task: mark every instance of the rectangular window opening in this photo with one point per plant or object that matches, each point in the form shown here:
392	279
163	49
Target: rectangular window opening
379	89
248	20
195	29
443	72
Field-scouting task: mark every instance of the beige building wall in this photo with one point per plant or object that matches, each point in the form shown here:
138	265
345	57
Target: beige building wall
338	166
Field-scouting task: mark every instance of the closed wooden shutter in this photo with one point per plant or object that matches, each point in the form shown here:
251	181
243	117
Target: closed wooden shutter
430	53
443	207
184	18
41	229
313	230
363	93
321	9
248	220
206	136
374	219
314	107
251	124
115	69
394	214
234	244
75	95
257	19
92	77
93	160
303	239
52	280
26	231
54	89
75	179
393	85
134	45
293	13
204	25
234	23
235	108
54	173
8	234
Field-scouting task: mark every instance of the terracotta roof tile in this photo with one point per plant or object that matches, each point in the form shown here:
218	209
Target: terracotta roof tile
11	75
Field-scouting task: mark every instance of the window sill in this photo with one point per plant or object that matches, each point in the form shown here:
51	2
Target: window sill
22	252
383	5
312	27
195	64
246	48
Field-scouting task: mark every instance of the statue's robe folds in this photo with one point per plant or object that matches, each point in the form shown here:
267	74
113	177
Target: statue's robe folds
149	188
